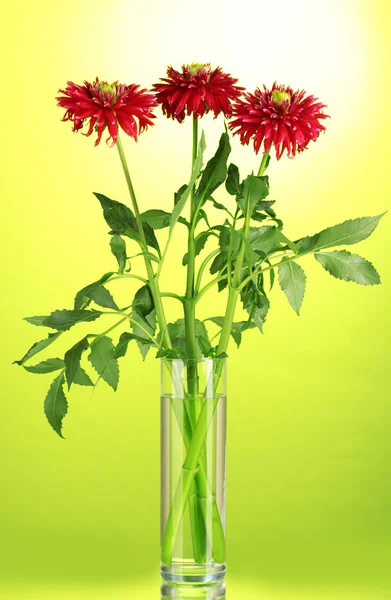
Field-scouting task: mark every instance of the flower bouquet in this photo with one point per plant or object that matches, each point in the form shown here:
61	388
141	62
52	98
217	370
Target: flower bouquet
240	255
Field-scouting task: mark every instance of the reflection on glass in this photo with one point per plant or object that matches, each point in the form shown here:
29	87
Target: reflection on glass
174	591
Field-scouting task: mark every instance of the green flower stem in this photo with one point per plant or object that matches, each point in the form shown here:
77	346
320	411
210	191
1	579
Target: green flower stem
203	267
127	277
152	280
192	401
172	295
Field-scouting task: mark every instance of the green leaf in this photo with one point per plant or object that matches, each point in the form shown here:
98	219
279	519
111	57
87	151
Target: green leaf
218	263
291	278
264	239
178	194
236	330
46	366
119	217
102	359
254	190
72	359
268	239
348	267
56	406
157	219
37	347
65	319
118	248
150	238
183	194
81	378
272	274
215	171
141	325
233	185
220	206
177	332
256	304
122	346
37	321
259	311
344	234
143	302
81	299
101	296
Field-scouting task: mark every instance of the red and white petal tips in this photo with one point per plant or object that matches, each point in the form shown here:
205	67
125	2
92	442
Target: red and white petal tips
196	90
278	117
101	104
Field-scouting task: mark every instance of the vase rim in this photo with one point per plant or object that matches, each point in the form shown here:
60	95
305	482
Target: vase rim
193	360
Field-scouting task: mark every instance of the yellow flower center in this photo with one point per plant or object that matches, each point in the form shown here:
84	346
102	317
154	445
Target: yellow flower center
108	91
195	68
281	99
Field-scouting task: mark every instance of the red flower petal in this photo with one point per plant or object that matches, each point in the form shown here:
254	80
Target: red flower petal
288	120
196	90
100	105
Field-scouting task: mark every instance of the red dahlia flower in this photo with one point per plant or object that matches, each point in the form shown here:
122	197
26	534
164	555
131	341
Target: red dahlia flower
281	117
107	105
196	90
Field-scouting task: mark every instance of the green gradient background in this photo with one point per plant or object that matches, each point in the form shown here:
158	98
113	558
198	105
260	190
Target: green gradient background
309	403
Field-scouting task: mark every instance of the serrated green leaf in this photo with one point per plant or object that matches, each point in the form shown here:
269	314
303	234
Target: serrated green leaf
254	190
291	278
177	332
140	326
119	217
81	298
220	206
65	319
264	239
143	303
46	366
259	312
150	238
256	304
72	359
236	330
101	296
118	248
184	192
348	267
346	233
38	347
123	343
55	405
37	321
81	378
233	185
157	219
102	359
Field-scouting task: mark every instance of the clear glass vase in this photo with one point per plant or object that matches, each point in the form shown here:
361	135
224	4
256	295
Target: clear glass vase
193	445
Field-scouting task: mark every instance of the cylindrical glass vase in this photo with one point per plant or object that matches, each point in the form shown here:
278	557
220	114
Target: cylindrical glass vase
193	445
